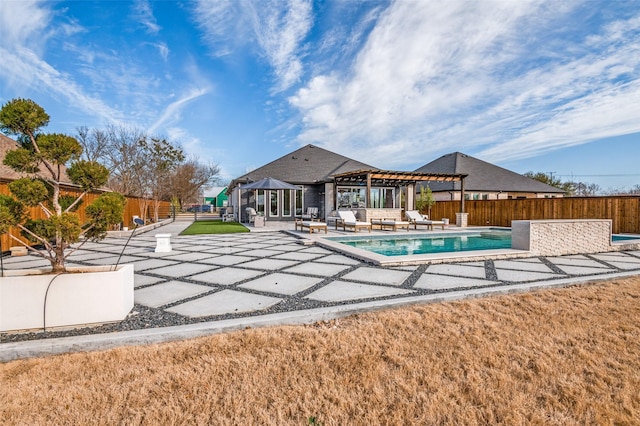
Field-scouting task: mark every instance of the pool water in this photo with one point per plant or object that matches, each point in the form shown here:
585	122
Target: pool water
398	245
617	238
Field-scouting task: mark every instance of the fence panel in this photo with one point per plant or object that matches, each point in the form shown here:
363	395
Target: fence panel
132	208
624	211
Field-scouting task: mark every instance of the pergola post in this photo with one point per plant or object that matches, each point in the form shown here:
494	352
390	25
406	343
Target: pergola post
369	201
462	195
411	197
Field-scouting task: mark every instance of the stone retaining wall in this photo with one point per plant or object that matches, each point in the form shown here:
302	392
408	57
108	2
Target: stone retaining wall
562	237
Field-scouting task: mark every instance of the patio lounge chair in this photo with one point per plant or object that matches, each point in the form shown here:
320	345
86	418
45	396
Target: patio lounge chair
312	225
415	218
391	224
312	213
348	220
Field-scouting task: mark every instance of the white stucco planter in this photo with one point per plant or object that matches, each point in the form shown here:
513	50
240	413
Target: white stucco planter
84	295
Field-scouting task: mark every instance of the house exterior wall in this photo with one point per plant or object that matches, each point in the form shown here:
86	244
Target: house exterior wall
313	196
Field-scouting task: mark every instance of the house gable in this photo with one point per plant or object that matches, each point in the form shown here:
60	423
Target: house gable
306	166
482	176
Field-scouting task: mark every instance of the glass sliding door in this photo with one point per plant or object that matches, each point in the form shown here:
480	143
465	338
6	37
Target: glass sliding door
274	205
286	203
351	197
298	202
260	208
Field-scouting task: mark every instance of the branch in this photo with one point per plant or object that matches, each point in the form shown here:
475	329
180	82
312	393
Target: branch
44	242
45	162
45	210
31	249
80	197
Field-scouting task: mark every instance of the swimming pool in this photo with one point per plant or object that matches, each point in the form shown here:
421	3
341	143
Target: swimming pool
398	245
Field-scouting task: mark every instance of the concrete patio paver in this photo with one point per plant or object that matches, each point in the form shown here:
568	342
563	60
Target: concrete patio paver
515	276
269	264
224	302
226	276
458	270
181	269
442	282
340	291
144	280
378	276
322	270
280	283
163	294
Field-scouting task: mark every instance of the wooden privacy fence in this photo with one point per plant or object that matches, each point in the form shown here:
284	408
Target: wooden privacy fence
624	211
132	208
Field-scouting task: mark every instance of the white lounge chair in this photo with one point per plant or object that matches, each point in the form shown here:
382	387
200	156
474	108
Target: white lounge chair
415	218
348	220
312	225
389	223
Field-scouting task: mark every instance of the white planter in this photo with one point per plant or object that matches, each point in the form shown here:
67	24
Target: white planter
85	295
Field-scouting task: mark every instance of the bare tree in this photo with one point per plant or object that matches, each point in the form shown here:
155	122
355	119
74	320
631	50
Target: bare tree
190	177
95	143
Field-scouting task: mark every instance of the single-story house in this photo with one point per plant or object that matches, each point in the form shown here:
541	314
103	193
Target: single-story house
484	181
327	181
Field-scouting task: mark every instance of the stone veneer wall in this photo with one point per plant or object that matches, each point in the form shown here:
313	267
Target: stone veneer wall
562	237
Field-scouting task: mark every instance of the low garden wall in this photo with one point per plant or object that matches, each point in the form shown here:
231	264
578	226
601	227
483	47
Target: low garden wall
562	237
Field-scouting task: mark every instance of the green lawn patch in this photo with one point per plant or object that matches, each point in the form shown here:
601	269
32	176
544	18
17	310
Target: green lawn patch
214	227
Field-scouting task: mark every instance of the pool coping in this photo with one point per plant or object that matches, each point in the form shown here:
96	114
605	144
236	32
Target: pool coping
417	259
323	240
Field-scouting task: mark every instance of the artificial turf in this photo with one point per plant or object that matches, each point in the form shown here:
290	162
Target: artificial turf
214	227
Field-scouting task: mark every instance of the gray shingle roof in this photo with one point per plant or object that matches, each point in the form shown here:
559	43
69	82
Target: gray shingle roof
483	176
305	166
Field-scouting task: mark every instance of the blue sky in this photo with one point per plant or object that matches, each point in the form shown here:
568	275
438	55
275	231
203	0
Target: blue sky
528	85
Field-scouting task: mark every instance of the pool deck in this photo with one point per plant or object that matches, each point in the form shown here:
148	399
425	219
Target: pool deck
211	284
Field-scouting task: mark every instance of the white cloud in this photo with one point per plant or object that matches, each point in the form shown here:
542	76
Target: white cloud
22	21
144	14
278	28
436	77
23	67
173	111
163	49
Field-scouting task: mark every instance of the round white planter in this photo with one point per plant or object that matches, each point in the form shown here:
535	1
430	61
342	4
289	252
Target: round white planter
82	296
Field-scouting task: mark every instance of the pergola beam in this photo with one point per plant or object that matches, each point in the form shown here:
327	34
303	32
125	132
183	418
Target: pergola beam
390	178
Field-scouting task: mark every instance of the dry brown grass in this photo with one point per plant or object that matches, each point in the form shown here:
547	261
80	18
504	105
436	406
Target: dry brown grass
567	356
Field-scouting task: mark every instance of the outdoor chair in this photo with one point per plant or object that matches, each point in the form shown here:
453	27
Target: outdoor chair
390	224
311	225
415	218
348	220
251	214
312	213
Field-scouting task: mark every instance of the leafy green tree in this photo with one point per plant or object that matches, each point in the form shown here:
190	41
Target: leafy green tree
425	200
43	159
